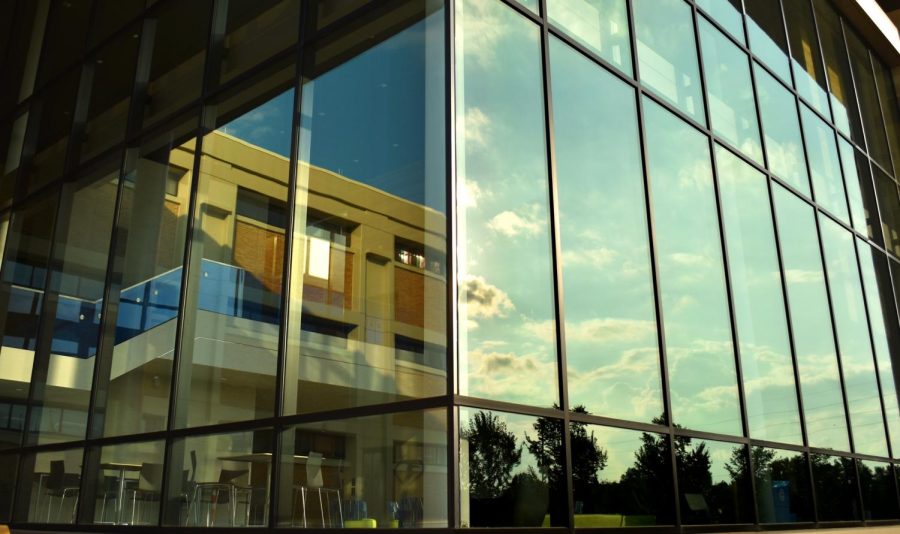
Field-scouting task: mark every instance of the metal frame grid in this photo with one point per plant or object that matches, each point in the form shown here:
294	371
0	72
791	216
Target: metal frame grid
450	402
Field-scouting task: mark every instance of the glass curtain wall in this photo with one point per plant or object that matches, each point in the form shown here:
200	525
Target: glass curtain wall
442	264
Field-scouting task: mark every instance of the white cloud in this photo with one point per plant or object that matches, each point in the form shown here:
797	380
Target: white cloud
482	32
596	257
800	276
484	300
476	127
511	224
469	193
688	259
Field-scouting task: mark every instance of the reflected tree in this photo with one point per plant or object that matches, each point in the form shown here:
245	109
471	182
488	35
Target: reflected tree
493	454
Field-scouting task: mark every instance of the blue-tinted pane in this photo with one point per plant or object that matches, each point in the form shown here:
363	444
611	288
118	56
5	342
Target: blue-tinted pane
765	349
611	334
824	164
727	13
507	324
667	53
692	277
820	384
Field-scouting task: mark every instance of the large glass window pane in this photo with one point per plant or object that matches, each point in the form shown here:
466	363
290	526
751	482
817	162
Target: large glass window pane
728	13
667	54
876	479
729	89
22	283
714	482
66	29
870	109
220	480
255	30
837	68
9	466
507	324
176	68
52	495
782	486
784	142
136	364
824	165
834	481
128	486
230	339
600	25
885	334
108	81
860	191
820	384
24	41
809	76
383	471
765	348
889	205
368	294
765	30
512	470
65	354
12	140
110	16
860	382
50	127
611	338
692	276
890	110
622	478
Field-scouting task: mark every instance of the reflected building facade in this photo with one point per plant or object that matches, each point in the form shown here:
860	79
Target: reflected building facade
448	264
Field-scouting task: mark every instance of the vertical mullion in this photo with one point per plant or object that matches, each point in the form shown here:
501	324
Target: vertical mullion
451	245
723	242
654	264
178	356
556	254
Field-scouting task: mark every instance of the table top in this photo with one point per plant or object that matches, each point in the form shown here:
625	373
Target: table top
120	466
266	457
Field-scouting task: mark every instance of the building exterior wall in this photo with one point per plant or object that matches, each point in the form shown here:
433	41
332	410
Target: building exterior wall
448	264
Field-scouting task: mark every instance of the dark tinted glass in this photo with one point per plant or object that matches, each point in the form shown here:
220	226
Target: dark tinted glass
622	478
714	481
9	464
128	484
503	206
611	338
876	480
889	205
837	67
511	471
50	127
870	109
24	49
889	109
64	41
834	481
110	16
52	497
782	486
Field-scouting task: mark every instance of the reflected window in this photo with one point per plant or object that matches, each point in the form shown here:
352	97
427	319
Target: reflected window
714	481
729	91
622	478
765	30
806	63
837	68
230	338
135	379
824	165
834	481
611	337
386	471
220	480
512	472
667	54
784	142
727	13
820	384
507	345
890	110
850	320
782	486
860	191
691	275
765	348
600	25
867	93
889	204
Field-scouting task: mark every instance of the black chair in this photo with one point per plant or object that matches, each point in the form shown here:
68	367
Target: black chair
63	485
